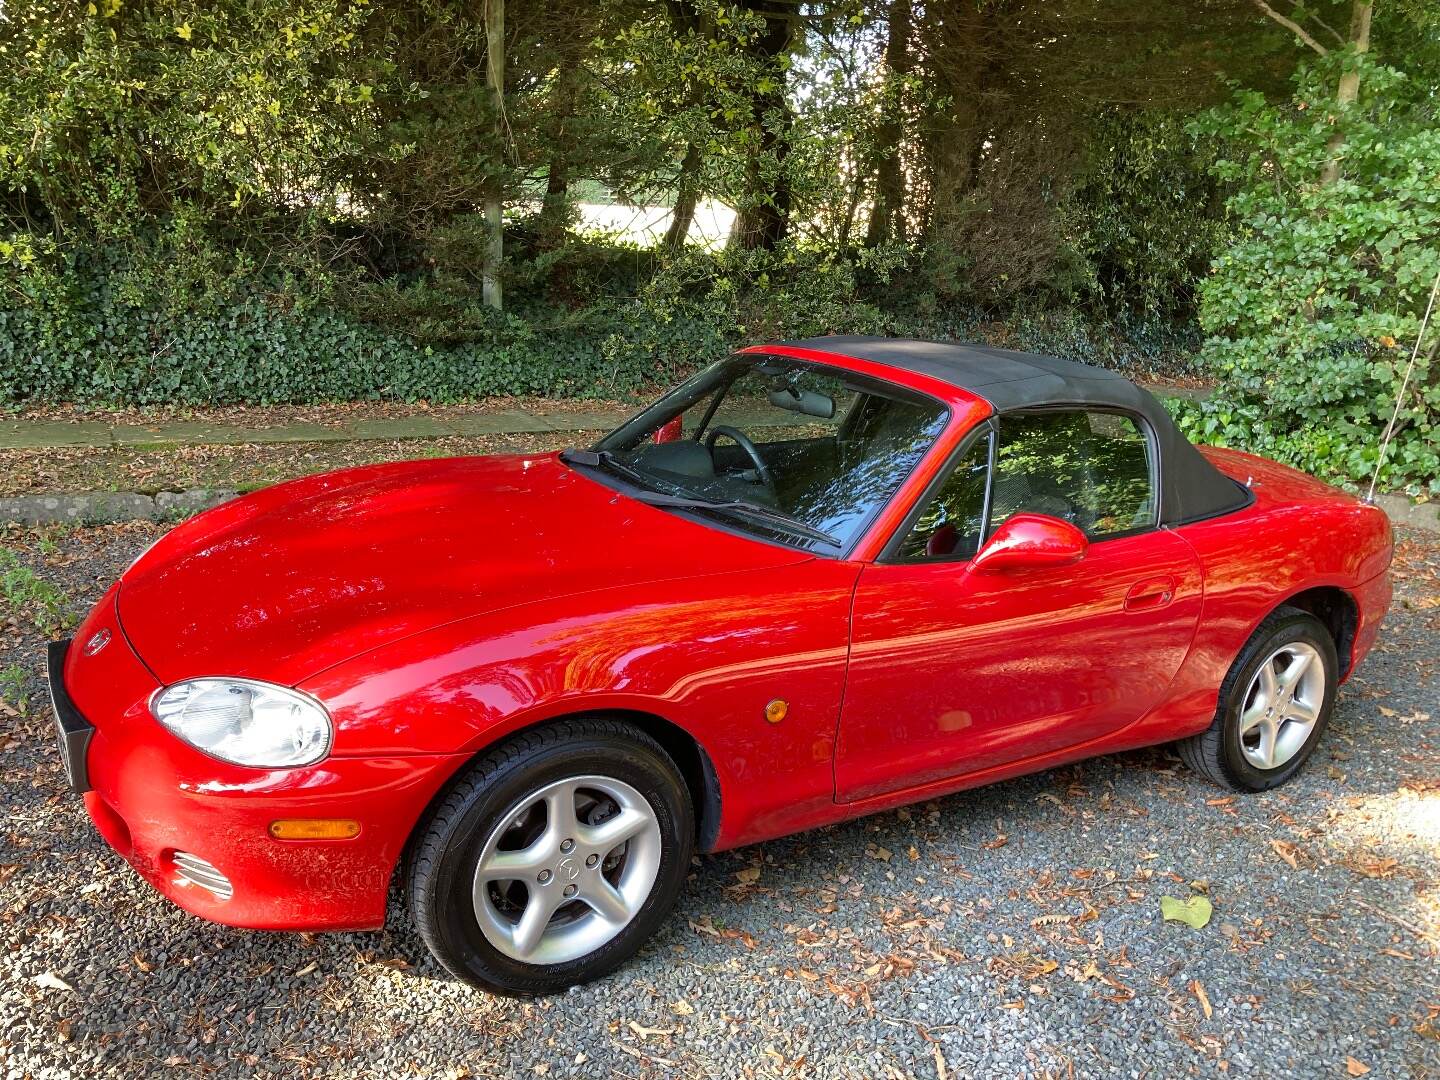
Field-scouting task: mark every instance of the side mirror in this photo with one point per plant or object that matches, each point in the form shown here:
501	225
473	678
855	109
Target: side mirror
1032	540
670	431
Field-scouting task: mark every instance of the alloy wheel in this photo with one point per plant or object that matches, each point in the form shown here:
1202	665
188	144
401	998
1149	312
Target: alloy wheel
566	869
1282	705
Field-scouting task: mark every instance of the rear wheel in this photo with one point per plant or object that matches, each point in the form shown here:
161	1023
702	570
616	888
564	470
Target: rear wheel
1274	704
554	858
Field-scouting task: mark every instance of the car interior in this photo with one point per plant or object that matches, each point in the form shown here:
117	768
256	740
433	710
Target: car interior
1087	467
817	447
828	448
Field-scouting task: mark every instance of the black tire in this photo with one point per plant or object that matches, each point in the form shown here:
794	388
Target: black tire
1217	752
448	845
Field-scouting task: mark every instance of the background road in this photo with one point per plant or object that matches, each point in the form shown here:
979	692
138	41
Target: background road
1011	931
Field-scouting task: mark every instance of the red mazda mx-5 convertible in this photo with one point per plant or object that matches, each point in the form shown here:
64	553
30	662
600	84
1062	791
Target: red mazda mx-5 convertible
816	580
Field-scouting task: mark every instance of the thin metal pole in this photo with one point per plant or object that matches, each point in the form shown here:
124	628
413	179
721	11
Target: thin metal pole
1404	385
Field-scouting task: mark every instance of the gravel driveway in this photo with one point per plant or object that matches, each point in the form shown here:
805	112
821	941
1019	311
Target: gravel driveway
1010	931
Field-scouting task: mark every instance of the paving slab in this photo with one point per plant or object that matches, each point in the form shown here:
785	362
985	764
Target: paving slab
418	427
200	433
1403	511
39	434
528	422
579	419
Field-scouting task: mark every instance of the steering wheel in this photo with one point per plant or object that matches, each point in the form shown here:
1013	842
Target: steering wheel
740	439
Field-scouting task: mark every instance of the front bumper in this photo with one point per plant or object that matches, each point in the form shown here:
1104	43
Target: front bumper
161	808
168	808
73	730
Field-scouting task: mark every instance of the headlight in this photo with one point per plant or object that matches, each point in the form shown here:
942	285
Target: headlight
245	722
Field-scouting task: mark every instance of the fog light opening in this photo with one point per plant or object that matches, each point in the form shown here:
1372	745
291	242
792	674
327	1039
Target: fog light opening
193	870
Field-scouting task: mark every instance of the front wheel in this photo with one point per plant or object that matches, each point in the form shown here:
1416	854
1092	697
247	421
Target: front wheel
553	859
1274	704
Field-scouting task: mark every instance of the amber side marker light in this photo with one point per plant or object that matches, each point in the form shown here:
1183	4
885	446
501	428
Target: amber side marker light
776	710
314	829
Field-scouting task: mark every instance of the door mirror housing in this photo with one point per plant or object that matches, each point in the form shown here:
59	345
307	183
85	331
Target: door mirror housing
672	430
1032	540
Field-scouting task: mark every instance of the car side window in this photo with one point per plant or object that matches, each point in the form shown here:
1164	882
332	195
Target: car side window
1087	467
949	526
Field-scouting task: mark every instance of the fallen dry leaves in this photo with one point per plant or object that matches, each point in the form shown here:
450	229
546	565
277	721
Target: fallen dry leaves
1197	988
1287	851
1371	866
1092	971
706	925
648	1032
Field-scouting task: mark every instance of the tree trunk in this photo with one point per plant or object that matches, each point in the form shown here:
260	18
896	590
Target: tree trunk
887	220
852	205
763	222
1349	91
686	199
490	287
556	204
764	214
954	139
686	21
557	189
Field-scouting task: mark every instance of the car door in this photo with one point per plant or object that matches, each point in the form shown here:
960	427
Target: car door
956	670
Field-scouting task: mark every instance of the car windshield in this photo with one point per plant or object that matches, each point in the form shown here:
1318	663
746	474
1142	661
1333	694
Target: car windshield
791	451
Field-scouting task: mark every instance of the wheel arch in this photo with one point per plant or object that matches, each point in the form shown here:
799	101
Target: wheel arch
693	761
690	758
1338	611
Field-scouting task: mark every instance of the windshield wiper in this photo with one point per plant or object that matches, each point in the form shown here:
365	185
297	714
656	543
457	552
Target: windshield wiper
778	518
603	459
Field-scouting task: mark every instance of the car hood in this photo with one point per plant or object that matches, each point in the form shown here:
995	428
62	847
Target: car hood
286	582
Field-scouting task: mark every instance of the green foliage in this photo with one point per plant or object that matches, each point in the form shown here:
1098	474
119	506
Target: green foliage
25	595
113	113
83	335
1144	220
1313	310
15	688
1194	911
98	328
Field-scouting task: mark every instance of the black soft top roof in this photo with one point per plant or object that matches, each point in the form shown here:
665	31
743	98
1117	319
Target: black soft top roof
1190	487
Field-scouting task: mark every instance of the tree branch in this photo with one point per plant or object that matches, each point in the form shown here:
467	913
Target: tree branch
1339	40
1294	27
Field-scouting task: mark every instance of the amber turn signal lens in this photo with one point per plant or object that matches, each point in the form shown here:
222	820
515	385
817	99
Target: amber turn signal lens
776	710
314	829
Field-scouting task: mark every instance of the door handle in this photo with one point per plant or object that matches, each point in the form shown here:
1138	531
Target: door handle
1150	594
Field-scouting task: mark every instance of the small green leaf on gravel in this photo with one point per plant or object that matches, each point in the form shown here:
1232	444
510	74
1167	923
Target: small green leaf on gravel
1194	912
